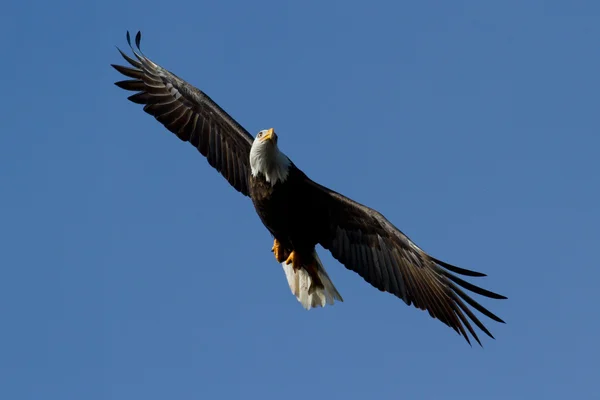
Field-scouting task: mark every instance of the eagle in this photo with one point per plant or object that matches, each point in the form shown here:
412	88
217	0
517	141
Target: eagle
300	213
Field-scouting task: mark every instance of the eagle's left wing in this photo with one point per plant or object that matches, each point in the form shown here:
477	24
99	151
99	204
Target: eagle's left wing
364	241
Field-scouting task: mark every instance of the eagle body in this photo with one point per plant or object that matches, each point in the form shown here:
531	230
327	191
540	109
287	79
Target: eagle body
300	213
287	211
288	207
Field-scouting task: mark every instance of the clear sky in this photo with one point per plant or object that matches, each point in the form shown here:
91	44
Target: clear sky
131	270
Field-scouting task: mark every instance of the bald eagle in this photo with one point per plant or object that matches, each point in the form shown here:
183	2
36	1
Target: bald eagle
299	213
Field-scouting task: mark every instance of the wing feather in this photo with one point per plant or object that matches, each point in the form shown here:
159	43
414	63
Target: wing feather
190	114
365	242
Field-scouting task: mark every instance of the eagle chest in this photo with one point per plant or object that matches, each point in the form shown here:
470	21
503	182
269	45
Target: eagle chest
279	207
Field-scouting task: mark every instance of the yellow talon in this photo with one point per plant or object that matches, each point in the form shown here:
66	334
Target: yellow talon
279	251
290	259
294	259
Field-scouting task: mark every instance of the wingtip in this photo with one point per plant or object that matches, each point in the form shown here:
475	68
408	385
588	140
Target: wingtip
458	270
468	340
118	67
474	335
138	39
477	338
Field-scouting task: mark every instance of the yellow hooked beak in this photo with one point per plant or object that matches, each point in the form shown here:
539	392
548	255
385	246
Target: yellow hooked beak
270	135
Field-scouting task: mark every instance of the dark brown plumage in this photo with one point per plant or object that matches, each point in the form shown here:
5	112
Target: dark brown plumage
300	213
191	115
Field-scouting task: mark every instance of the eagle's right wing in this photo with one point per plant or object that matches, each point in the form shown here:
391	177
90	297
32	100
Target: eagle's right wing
190	114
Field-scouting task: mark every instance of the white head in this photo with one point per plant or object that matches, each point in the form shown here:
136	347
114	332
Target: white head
266	159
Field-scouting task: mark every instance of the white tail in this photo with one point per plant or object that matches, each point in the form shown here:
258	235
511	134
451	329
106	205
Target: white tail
300	282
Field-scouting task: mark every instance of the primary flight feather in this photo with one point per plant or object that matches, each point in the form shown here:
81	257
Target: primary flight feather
300	213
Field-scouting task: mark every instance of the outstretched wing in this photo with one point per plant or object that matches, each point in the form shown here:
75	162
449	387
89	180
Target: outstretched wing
365	242
190	114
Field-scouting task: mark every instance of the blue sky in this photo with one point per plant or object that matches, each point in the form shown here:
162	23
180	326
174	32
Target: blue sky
130	269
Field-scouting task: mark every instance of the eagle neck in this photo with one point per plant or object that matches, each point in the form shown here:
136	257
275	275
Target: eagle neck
271	163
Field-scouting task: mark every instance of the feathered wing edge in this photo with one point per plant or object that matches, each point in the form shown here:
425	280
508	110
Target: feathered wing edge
190	114
364	241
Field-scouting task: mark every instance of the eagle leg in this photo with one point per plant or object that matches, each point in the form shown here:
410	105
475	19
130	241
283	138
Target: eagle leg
280	253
